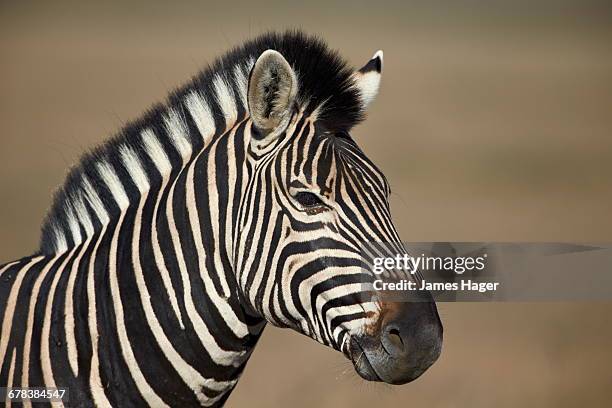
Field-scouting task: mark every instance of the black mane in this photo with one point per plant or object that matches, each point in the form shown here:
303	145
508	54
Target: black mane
325	83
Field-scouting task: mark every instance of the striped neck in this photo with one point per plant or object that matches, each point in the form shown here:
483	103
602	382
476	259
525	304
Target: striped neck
147	155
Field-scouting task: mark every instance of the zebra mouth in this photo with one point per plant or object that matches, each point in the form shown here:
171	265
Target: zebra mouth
361	363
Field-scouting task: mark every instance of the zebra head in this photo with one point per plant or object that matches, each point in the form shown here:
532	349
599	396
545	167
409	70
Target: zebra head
313	198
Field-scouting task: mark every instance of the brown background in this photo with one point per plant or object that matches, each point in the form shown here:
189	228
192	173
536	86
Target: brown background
493	124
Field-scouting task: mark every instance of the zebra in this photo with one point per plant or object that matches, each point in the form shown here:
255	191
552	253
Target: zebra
241	200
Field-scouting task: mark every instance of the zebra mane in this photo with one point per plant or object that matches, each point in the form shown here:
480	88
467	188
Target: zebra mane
218	96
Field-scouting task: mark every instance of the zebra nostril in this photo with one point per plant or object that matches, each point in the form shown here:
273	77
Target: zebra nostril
395	338
392	341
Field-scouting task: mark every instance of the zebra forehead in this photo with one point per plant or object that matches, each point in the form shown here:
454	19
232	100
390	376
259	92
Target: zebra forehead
320	153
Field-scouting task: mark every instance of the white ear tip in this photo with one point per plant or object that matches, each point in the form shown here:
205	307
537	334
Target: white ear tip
379	54
375	64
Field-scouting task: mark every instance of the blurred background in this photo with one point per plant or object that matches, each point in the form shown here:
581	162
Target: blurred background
494	123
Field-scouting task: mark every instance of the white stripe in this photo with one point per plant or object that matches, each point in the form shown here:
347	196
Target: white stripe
45	351
9	311
94	200
178	134
265	254
113	183
61	245
231	182
202	115
242	84
82	214
226	101
30	322
73	224
214	212
162	163
69	324
156	152
134	168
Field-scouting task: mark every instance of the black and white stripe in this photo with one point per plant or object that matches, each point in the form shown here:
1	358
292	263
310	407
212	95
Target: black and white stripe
170	247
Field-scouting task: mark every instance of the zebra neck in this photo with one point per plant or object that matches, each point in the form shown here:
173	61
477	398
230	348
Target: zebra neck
192	218
196	214
178	235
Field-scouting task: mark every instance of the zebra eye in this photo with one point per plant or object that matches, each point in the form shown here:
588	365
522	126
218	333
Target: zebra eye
308	200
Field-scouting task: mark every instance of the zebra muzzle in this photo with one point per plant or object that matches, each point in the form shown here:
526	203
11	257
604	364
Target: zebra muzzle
405	342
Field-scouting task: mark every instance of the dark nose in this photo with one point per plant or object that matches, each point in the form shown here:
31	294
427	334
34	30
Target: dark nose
405	343
399	340
395	341
413	341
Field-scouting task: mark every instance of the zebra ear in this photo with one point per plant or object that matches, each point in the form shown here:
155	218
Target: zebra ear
272	90
367	78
